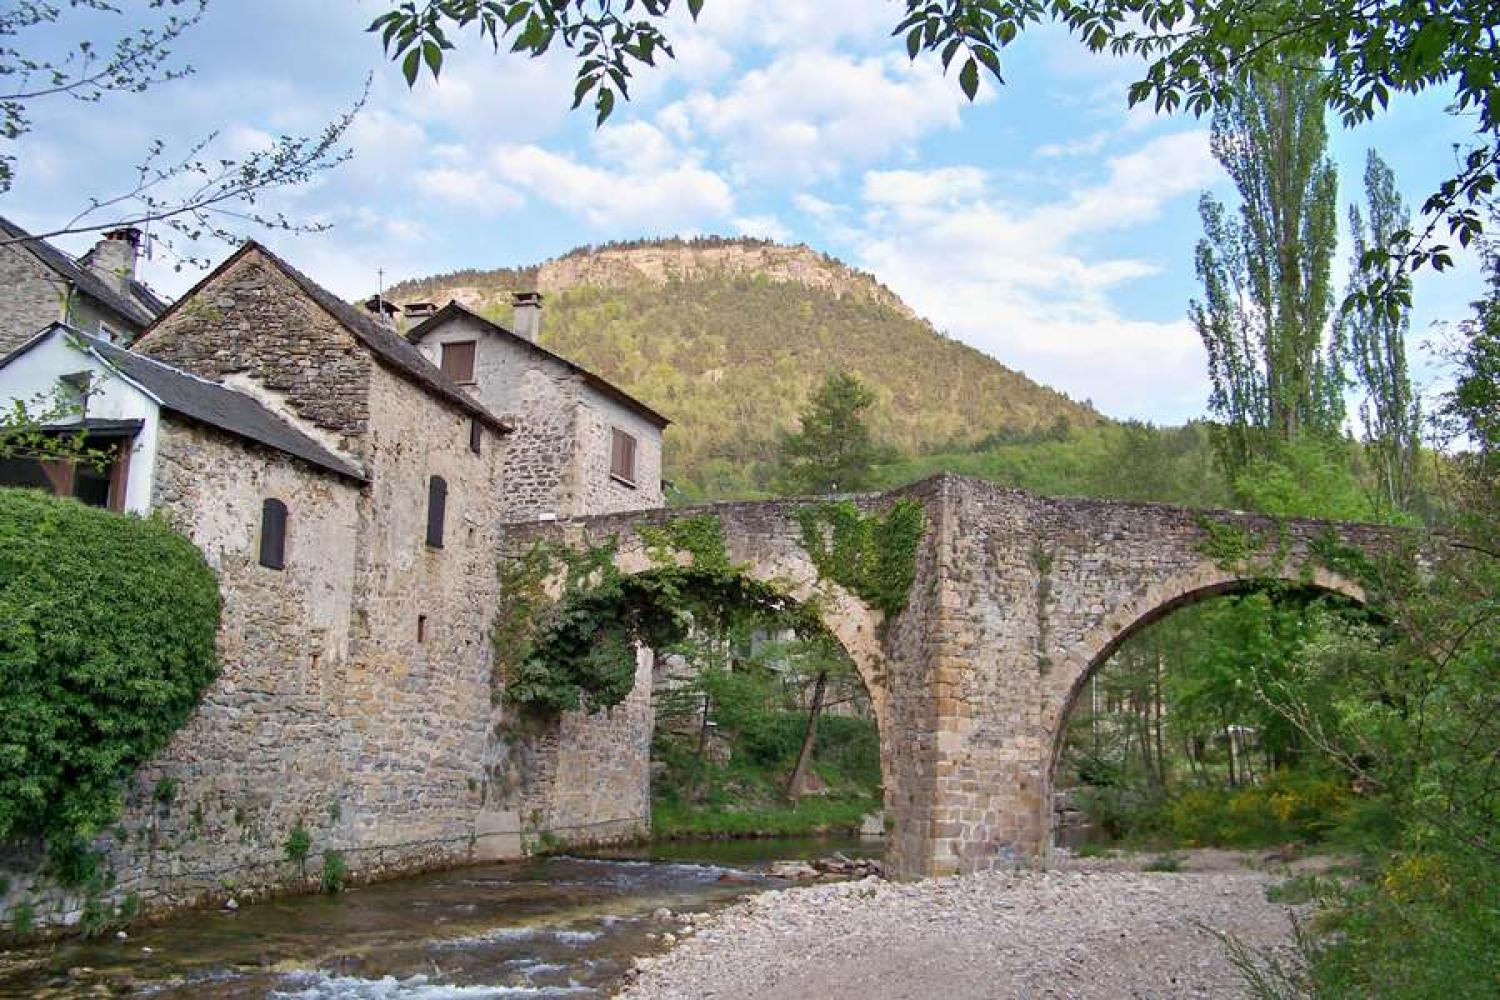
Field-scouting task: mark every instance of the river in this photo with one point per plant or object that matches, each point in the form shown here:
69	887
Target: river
548	927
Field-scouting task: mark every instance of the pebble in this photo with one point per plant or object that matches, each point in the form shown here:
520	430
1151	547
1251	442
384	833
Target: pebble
1084	934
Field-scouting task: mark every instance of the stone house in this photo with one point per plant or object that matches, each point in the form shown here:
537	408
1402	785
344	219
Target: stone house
351	497
132	409
582	445
98	294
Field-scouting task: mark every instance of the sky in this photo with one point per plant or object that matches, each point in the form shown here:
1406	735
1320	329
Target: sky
1046	224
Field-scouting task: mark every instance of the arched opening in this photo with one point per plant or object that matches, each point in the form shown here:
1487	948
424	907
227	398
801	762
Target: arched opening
763	724
1194	724
750	690
763	727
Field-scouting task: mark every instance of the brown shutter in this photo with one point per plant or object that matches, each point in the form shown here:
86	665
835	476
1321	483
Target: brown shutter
273	534
622	456
437	510
458	361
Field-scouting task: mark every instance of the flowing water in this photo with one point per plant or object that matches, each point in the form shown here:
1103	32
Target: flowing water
550	927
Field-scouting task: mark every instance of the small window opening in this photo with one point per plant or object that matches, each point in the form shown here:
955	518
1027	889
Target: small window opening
421	628
476	435
273	534
622	456
437	510
458	360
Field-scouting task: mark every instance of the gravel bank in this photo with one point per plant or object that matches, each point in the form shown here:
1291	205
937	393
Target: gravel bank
1086	932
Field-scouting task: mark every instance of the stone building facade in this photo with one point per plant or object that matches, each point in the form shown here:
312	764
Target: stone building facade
97	294
582	446
358	699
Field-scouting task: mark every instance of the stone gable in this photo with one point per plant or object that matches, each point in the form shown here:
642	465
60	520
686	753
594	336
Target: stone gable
249	319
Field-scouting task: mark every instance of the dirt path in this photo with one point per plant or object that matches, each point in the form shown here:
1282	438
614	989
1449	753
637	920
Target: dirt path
1094	930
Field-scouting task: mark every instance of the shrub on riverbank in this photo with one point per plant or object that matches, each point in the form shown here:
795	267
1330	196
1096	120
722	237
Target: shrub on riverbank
107	627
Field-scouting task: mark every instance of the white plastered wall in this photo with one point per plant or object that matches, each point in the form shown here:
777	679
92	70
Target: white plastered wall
34	376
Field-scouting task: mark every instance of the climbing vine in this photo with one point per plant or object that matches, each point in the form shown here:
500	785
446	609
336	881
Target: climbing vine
872	555
577	648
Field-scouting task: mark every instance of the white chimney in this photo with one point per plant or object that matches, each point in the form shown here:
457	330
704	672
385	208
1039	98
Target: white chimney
112	260
526	320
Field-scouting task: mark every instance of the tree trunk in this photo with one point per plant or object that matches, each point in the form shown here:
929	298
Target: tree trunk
794	787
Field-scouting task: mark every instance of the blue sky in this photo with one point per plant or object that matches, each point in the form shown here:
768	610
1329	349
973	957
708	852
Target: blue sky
1045	224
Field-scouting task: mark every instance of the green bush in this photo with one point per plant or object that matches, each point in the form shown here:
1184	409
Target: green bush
107	626
1288	805
334	870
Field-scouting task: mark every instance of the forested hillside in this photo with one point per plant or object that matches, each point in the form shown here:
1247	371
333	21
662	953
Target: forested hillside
729	338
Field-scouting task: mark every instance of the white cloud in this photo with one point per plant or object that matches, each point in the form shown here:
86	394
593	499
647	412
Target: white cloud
657	200
808	114
763	227
637	146
470	187
1021	283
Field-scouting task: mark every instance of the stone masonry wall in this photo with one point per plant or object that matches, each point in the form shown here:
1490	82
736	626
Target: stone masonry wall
1044	589
1016	599
212	811
598	491
418	695
251	320
32	297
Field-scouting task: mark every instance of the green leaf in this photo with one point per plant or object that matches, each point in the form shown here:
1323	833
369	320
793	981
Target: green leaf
968	79
411	65
433	54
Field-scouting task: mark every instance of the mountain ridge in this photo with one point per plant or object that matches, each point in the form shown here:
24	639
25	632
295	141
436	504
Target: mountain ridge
730	336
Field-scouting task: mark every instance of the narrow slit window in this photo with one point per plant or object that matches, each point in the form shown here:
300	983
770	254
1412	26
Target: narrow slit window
476	435
437	510
273	534
622	456
421	628
458	360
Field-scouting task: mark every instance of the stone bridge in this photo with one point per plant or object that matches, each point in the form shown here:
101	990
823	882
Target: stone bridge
1017	599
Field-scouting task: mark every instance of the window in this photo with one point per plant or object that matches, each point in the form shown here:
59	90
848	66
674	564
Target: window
476	435
421	628
437	510
458	360
273	534
622	456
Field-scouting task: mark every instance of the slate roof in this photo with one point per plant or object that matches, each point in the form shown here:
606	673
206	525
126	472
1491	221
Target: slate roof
607	388
389	347
140	307
201	400
219	406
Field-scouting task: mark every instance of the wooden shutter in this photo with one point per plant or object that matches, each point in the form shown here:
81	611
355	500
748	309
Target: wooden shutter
622	456
437	510
458	361
273	534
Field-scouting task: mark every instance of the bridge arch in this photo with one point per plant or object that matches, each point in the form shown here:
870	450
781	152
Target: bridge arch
1203	582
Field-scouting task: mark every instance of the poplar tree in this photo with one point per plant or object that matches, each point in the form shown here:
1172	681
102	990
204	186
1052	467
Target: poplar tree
1375	342
1264	316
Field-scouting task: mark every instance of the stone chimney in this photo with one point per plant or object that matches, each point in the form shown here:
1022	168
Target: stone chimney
526	320
112	260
